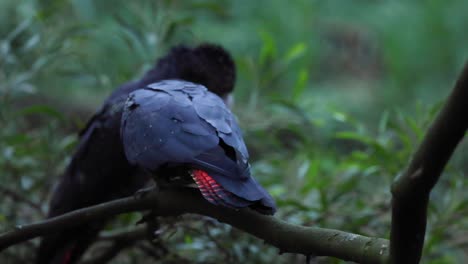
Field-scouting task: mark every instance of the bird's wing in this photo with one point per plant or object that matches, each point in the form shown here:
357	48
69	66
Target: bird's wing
160	126
181	122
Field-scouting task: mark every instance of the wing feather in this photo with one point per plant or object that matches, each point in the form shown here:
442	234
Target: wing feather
181	122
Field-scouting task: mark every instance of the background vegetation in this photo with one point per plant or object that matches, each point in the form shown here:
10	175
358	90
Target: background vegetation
332	95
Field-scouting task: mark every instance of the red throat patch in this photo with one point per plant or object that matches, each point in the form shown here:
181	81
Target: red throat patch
209	188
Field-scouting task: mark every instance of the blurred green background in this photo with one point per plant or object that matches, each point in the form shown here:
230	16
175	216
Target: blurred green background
333	97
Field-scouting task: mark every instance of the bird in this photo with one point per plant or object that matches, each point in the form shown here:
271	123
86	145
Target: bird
99	170
179	130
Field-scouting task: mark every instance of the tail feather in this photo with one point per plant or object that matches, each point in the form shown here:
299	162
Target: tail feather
216	194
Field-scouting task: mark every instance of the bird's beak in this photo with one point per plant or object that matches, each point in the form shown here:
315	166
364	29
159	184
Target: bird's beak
229	100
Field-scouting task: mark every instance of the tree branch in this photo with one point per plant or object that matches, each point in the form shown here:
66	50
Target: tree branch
411	191
286	237
16	197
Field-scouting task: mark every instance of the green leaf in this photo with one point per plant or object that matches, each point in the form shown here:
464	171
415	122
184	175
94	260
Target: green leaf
301	83
268	50
188	239
295	52
414	127
42	109
354	136
383	123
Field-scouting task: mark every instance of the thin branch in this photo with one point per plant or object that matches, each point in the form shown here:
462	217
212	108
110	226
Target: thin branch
109	253
121	240
158	252
137	233
287	237
411	191
16	197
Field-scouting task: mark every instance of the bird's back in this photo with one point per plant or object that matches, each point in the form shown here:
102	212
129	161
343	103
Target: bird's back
178	123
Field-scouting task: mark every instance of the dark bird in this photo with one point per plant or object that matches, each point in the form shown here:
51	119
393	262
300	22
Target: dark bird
99	170
176	124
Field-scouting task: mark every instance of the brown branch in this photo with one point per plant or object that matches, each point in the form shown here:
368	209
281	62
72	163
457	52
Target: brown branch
287	237
411	190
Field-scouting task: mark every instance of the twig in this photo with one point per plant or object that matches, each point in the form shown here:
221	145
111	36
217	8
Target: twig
157	253
16	197
137	233
121	239
109	253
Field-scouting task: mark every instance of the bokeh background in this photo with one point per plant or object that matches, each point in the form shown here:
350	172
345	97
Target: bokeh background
333	97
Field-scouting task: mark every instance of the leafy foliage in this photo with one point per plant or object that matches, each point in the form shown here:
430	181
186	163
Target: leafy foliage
326	95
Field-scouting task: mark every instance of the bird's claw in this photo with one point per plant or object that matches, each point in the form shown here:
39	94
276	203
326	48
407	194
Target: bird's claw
152	225
147	218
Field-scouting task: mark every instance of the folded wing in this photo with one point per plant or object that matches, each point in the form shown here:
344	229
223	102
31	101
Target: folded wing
178	122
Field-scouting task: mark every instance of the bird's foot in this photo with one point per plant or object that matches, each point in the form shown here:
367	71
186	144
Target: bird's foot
147	218
153	229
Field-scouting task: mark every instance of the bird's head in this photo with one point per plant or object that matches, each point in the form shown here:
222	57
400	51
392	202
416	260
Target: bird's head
207	64
211	66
